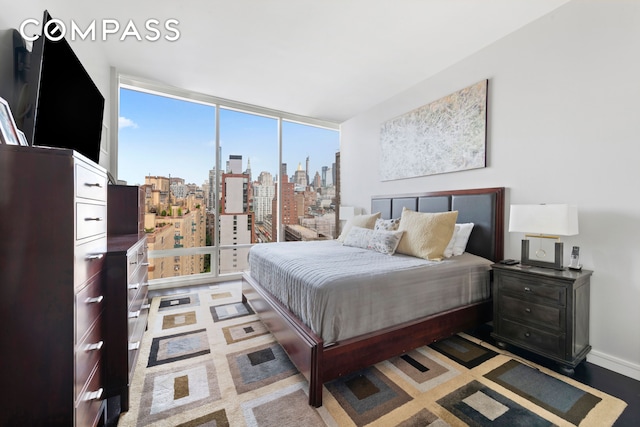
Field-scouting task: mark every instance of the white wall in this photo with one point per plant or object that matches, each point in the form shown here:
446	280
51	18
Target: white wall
563	127
90	53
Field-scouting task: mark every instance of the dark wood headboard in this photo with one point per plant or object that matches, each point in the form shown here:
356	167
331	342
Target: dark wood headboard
482	206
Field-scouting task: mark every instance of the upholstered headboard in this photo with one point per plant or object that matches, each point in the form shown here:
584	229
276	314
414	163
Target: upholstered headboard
483	206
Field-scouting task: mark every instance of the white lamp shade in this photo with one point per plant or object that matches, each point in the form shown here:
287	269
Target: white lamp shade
558	220
347	212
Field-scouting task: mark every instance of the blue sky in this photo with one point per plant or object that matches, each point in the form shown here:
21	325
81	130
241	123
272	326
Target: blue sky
165	136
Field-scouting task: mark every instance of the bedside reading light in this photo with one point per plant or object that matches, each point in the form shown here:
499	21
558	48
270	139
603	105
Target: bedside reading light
545	223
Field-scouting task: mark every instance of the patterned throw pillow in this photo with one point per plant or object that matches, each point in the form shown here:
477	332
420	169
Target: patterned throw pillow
385	242
358	237
458	243
382	241
387	224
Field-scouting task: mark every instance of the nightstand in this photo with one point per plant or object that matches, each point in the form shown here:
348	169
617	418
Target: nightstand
544	311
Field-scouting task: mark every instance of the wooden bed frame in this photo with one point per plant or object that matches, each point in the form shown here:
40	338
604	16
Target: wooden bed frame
320	364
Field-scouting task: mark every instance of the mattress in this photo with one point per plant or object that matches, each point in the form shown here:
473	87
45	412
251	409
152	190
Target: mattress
341	292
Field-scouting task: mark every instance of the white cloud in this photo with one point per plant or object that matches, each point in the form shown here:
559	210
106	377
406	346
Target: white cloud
123	122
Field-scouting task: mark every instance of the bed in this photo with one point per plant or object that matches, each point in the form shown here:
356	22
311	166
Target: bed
321	353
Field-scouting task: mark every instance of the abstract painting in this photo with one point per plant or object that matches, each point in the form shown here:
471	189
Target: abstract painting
447	135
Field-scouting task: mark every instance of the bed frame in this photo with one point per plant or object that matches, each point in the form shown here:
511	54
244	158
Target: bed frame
319	364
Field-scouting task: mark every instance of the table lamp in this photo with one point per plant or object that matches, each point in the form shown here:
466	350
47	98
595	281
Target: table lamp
545	223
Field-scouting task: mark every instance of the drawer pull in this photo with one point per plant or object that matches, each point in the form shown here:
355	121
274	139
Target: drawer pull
527	289
527	334
134	314
97	184
94	300
93	395
145	306
134	345
144	264
527	310
134	286
94	347
95	256
94	219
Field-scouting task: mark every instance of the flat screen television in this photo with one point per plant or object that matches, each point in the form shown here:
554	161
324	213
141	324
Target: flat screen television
66	106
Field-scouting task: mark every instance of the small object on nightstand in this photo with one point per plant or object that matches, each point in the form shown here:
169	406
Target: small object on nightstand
509	261
575	259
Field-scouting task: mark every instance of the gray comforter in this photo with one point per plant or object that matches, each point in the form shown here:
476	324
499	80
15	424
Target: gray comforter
342	292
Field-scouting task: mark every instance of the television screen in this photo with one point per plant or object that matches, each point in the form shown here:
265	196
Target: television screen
68	106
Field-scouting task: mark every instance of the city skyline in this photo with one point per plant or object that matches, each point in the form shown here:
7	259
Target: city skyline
162	136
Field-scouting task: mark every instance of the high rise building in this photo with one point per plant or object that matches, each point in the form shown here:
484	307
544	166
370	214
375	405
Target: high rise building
236	223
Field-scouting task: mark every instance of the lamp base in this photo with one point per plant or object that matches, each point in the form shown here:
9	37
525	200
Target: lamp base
556	265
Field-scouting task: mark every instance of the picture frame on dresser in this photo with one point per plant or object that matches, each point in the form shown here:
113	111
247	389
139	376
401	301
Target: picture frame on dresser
8	128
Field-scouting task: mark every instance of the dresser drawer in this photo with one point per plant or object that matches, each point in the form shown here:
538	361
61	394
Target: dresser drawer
88	353
531	313
91	220
537	290
137	263
135	338
89	304
89	403
90	183
89	259
532	338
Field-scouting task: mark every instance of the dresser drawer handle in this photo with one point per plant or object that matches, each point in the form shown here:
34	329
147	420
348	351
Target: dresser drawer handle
93	395
144	264
97	184
94	347
527	310
527	289
134	286
134	345
134	314
527	334
94	300
94	219
95	256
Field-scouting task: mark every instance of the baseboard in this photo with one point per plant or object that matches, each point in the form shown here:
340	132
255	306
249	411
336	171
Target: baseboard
615	364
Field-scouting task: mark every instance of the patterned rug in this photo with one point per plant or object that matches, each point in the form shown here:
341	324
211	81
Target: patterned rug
207	360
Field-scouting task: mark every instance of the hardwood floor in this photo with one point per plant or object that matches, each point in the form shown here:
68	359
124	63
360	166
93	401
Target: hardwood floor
595	376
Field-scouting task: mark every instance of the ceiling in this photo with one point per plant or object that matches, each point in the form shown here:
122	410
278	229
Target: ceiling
327	59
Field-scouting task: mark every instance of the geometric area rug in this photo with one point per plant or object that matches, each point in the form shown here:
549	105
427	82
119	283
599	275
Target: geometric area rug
207	360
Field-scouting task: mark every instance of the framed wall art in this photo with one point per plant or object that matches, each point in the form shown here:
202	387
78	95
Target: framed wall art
447	135
8	128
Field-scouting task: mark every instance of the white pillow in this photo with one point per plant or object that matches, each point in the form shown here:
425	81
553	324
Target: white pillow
364	221
382	241
458	243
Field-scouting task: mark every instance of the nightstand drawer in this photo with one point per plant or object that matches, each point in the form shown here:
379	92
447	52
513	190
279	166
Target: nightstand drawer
528	312
532	338
533	289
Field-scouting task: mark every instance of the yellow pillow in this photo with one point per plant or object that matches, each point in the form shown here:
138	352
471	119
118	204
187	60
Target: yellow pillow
364	221
426	235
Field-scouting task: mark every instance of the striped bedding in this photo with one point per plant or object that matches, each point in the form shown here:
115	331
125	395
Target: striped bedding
341	292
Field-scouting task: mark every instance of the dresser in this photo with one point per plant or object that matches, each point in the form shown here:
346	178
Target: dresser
544	311
53	242
126	282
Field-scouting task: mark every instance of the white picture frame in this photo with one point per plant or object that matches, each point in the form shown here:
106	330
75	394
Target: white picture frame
22	138
8	128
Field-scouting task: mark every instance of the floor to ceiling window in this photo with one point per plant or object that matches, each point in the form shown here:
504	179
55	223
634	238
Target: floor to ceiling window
218	178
